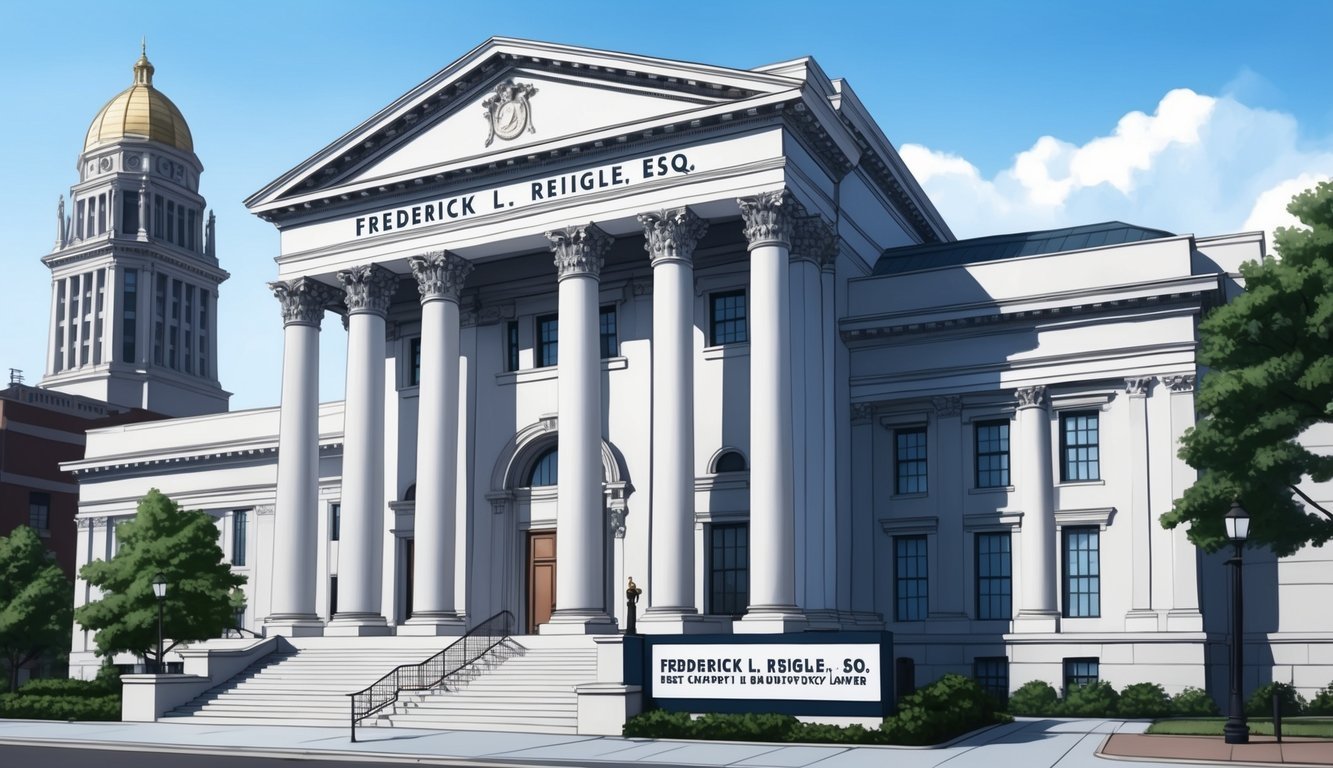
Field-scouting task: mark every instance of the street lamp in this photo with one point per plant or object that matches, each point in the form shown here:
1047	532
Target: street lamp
160	592
1238	527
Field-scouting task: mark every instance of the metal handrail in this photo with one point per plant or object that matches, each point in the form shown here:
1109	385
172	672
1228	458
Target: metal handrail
428	674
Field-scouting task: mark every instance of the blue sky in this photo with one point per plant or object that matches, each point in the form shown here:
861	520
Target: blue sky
1192	117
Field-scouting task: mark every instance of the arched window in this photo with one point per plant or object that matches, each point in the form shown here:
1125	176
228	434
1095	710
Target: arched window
545	469
411	493
731	461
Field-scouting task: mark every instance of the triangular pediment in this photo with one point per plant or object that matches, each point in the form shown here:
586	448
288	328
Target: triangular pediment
515	99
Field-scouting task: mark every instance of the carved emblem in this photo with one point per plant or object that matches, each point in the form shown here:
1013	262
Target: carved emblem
508	111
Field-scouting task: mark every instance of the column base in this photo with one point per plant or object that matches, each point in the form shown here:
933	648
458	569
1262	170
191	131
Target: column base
573	622
676	621
771	620
433	625
1037	621
293	626
357	625
823	619
1141	620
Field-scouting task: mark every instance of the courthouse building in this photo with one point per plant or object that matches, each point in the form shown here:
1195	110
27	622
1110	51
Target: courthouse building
612	316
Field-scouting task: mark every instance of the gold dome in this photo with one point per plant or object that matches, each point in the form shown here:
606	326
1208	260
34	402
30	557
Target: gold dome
140	112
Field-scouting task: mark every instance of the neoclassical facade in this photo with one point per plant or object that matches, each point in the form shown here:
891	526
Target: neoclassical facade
610	316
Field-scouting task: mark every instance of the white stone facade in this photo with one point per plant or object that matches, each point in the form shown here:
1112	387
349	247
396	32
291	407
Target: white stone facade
698	248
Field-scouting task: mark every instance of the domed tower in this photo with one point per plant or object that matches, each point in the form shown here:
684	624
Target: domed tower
134	270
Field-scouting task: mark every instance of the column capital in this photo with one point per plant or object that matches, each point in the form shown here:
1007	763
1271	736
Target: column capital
440	275
947	405
303	300
1179	383
1031	397
671	235
812	239
368	289
768	217
579	250
1138	386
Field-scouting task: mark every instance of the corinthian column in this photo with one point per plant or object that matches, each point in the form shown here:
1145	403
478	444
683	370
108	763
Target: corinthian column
670	239
768	223
440	278
368	289
296	513
1037	610
580	593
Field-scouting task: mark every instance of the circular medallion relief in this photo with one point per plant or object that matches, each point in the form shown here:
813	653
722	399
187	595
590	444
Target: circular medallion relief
132	161
106	163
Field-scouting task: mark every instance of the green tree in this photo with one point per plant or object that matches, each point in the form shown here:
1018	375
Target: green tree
1270	379
35	601
182	545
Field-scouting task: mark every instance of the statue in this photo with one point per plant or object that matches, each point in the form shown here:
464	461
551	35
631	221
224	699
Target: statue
210	246
60	223
631	602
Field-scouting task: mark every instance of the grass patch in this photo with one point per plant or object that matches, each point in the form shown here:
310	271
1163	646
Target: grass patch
1318	727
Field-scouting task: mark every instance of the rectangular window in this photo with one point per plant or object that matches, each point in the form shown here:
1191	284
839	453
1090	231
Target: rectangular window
171	221
101	213
129	314
548	341
992	448
995	582
188	333
159	319
189	229
335	520
174	329
203	332
1079	453
238	526
1082	573
159	215
180	225
992	674
78	218
414	362
726	318
333	596
129	213
909	578
511	346
1080	672
909	460
606	325
39	511
729	568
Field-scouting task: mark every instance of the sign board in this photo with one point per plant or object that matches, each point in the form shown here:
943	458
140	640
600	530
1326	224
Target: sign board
808	673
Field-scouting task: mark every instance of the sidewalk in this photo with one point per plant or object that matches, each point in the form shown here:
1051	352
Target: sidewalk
1030	743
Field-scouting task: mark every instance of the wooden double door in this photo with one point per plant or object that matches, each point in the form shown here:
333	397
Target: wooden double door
541	578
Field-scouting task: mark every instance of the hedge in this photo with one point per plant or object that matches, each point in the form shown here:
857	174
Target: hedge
1037	698
40	707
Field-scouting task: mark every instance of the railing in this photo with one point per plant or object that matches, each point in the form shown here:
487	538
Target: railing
434	671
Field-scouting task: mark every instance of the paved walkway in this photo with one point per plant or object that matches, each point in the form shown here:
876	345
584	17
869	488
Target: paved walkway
1260	750
1030	743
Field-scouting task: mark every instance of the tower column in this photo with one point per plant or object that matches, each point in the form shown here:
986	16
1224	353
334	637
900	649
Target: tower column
768	223
1037	610
580	594
295	523
670	239
440	277
368	290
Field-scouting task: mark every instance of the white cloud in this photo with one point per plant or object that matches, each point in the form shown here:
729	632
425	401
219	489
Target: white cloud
1198	163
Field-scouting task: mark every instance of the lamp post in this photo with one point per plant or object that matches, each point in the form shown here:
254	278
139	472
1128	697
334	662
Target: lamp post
1238	528
160	592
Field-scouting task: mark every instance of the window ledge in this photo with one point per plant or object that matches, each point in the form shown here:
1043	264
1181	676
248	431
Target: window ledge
909	496
906	525
992	489
727	351
1078	483
1098	516
997	520
551	372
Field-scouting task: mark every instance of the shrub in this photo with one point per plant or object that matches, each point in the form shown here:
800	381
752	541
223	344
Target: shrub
1096	699
1035	698
660	724
41	707
1144	700
948	707
1261	702
1322	703
1193	702
63	686
745	727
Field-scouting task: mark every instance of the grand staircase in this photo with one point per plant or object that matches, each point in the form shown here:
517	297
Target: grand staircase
526	683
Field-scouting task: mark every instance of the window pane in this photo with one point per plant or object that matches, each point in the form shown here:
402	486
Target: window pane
414	353
909	583
610	343
238	531
727	318
1080	672
1082	573
512	345
39	511
548	337
992	674
1079	450
728	569
992	450
994	576
545	470
910	460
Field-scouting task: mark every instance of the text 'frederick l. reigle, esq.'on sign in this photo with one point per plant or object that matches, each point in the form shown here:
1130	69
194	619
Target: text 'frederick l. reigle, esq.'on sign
523	193
814	672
